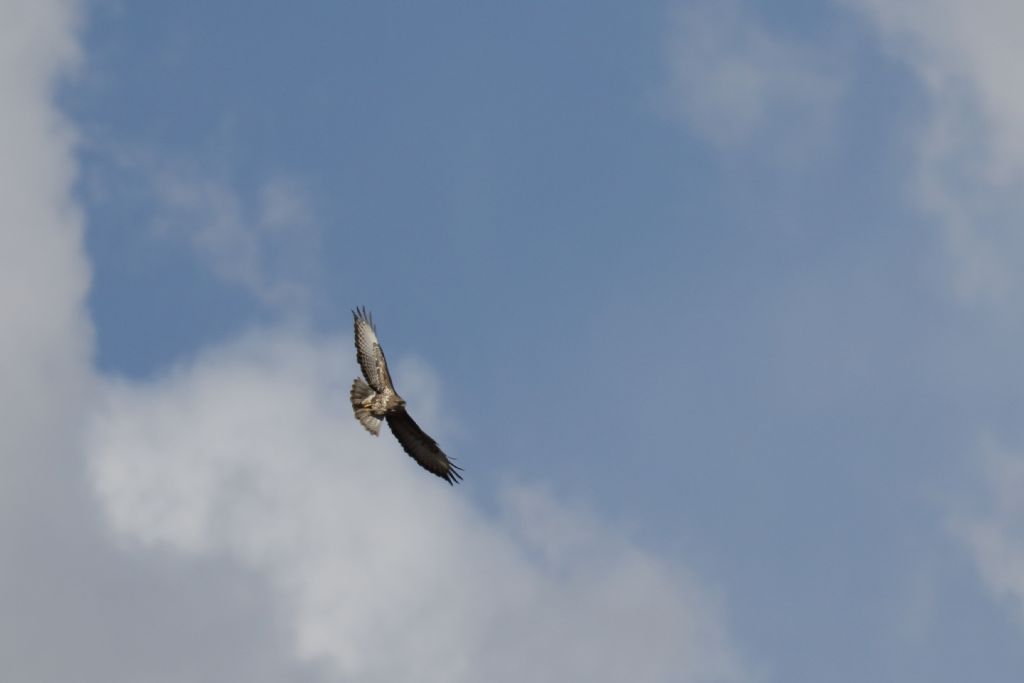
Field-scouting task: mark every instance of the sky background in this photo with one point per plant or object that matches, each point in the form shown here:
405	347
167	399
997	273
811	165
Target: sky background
716	304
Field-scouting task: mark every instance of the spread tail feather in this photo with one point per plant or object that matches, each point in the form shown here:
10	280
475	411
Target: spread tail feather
360	392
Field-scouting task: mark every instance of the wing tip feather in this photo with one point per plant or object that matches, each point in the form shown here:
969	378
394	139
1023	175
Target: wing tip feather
454	474
362	314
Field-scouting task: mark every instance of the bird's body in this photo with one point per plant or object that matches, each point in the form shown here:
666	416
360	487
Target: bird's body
375	399
371	407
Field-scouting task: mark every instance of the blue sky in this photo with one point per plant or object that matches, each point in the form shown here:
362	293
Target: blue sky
714	302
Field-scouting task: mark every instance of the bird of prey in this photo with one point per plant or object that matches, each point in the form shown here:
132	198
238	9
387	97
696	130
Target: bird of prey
376	399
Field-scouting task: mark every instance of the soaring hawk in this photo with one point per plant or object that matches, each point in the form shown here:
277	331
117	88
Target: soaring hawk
376	399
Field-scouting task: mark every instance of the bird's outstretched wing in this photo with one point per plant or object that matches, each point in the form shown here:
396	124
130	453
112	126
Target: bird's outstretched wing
368	351
421	447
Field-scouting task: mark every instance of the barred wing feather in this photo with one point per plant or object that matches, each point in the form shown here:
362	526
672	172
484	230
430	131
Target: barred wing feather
369	353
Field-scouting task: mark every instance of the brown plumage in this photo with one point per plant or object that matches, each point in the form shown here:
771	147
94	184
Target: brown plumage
375	399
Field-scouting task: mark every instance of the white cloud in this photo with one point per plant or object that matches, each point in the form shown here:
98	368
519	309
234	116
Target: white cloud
383	572
734	81
995	537
76	607
971	151
267	247
970	176
47	338
43	277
